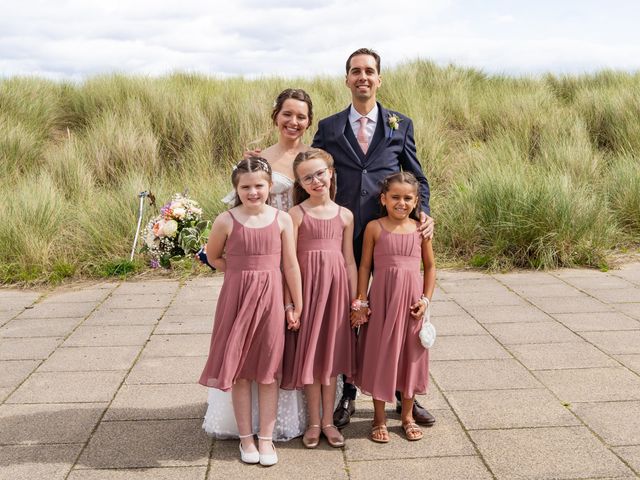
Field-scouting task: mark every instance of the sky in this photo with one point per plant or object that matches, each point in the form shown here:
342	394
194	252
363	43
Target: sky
77	39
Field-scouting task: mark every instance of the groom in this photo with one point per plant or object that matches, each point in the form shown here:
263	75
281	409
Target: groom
369	142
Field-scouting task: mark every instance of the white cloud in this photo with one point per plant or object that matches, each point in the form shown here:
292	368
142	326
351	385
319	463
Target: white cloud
76	38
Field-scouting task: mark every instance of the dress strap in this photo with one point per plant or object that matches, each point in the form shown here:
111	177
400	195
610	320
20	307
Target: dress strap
304	212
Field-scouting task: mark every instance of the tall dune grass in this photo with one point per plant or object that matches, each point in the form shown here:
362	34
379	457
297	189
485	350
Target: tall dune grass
525	172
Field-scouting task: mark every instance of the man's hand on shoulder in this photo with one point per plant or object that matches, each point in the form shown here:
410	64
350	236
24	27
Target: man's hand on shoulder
427	226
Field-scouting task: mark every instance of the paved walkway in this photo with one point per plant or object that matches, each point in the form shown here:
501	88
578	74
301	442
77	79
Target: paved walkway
534	375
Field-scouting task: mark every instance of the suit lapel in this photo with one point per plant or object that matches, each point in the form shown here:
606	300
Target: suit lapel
379	141
339	127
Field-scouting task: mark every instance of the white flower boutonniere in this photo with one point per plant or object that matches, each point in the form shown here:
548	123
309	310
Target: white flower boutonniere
394	123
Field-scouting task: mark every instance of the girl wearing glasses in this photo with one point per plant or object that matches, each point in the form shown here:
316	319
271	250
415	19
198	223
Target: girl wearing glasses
324	346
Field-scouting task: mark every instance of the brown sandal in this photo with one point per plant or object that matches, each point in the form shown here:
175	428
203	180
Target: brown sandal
311	441
412	431
334	437
380	430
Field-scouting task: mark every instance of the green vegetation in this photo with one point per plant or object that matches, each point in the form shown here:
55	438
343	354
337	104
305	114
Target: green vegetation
525	172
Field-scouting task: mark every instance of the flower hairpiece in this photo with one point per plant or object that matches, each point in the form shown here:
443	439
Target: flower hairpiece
394	122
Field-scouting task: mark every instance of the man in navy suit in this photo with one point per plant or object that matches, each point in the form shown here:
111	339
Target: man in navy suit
367	143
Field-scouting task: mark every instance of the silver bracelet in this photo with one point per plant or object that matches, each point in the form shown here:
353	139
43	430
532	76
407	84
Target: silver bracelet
289	306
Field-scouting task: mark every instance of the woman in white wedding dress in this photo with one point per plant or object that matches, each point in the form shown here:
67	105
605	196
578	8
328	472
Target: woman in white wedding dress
292	115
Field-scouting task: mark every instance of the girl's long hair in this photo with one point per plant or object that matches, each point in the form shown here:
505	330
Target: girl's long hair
249	165
402	177
299	193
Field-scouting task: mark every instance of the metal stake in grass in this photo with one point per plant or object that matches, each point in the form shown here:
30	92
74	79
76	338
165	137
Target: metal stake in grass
141	196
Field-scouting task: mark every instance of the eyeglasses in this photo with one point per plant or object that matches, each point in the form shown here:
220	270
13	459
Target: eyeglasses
319	175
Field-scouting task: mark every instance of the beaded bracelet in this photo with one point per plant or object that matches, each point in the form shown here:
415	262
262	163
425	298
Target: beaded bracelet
289	306
357	304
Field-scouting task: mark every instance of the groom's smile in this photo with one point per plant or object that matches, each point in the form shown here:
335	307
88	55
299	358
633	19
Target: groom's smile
363	78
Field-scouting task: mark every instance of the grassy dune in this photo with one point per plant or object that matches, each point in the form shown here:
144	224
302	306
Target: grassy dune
533	173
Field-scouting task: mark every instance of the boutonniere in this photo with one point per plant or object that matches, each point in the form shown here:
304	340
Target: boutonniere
394	123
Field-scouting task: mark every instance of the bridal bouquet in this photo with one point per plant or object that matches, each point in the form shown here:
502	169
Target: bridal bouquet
178	231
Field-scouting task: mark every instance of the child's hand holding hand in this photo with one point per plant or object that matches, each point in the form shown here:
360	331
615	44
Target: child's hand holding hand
293	320
418	309
360	317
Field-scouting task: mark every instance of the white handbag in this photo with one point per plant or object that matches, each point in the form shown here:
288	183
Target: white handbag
428	331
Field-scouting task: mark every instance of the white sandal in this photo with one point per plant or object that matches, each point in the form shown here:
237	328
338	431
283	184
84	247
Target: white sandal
269	459
251	457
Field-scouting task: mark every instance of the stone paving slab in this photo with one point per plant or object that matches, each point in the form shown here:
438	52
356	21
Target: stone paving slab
178	345
600	321
125	316
167	473
499	409
438	468
28	348
532	376
58	310
13	372
68	387
592	384
166	370
152	288
630	309
193	309
457	325
631	455
475	347
157	402
630	361
553	356
147	444
109	336
39	327
557	452
540	332
48	422
615	342
137	301
89	359
618	423
79	296
508	314
570	304
482	375
193	324
559	289
26	462
294	462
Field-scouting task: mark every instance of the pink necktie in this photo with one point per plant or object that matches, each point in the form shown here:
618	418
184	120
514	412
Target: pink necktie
363	139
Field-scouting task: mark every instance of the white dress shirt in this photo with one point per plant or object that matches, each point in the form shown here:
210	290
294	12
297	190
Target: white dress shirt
372	119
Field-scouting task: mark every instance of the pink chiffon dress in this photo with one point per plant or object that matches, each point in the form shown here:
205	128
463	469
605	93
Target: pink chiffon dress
248	332
390	356
325	344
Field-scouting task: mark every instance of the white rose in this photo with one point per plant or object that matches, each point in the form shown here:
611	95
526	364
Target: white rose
179	212
170	228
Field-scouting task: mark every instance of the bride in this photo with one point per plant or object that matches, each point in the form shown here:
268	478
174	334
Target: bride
292	115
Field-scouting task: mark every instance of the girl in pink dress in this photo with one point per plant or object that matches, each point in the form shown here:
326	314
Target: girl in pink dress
390	355
325	344
247	342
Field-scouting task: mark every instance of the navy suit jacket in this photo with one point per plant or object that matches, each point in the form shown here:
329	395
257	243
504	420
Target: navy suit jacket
359	176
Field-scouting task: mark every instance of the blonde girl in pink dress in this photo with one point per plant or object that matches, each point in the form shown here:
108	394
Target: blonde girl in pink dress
324	347
247	342
390	355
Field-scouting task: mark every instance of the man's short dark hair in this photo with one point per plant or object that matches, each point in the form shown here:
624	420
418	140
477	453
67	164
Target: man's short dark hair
364	51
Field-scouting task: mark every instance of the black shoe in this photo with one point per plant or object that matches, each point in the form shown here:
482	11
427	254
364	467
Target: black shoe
420	414
343	412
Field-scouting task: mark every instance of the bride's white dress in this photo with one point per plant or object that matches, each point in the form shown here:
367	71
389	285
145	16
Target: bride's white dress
291	419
